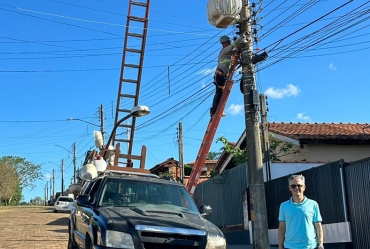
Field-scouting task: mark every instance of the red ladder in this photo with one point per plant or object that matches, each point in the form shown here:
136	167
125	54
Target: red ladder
210	134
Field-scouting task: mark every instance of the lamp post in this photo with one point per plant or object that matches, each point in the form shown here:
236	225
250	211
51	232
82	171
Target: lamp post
136	111
74	159
101	115
78	119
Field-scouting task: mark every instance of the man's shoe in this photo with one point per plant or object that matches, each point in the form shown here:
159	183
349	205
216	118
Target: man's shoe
223	114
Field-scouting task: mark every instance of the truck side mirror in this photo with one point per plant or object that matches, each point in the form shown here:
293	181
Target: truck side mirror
205	210
83	200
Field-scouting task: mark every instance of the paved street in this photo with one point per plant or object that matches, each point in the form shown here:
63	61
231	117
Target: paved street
33	227
38	227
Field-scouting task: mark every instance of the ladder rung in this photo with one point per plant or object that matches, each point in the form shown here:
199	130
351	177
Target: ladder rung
124	110
135	35
135	157
122	140
130	81
127	96
131	65
125	126
133	50
137	19
139	4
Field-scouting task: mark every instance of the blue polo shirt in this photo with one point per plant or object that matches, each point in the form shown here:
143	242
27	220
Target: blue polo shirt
299	221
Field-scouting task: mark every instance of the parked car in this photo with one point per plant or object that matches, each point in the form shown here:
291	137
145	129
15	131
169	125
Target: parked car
138	211
63	204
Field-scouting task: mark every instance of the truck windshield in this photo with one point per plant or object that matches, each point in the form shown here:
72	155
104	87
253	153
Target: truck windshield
146	195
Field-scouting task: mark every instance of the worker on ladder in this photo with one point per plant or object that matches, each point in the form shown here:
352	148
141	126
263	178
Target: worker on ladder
229	49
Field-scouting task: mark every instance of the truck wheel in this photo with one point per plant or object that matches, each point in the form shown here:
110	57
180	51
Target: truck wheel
89	243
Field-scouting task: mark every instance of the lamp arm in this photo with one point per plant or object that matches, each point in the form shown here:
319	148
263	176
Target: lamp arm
115	128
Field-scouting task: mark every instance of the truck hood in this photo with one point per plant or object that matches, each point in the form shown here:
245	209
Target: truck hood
122	218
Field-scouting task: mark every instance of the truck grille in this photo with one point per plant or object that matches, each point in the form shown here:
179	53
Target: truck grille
153	237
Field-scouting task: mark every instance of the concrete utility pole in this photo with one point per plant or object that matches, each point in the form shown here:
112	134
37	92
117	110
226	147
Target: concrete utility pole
53	184
265	137
101	122
181	154
74	162
255	165
62	177
51	187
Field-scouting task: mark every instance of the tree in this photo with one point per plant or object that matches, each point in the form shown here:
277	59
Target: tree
38	201
9	181
277	149
213	155
27	172
17	197
239	155
166	174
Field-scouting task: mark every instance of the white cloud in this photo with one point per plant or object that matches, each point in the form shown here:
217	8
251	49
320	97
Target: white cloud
203	84
207	71
235	109
279	93
332	67
47	176
301	116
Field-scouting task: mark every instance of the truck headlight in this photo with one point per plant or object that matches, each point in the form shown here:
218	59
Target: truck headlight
119	240
216	242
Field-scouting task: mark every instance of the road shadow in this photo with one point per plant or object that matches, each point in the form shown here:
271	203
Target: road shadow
59	222
60	230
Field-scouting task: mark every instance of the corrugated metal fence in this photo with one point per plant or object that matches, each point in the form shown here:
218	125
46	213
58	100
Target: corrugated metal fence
224	194
357	182
341	189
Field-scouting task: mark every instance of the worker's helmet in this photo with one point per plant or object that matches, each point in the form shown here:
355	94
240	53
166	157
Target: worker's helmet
224	38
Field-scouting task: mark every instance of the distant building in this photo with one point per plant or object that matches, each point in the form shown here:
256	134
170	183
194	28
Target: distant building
172	166
318	143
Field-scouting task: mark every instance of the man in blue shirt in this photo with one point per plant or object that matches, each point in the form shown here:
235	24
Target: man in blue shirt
300	219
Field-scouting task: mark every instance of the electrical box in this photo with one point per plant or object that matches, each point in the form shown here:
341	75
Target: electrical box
254	97
223	13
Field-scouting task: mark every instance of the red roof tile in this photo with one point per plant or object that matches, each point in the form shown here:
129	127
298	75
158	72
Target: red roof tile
322	132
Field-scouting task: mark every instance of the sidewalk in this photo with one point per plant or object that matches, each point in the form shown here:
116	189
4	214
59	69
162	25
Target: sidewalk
245	246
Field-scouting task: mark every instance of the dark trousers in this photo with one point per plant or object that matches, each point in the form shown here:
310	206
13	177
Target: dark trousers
220	84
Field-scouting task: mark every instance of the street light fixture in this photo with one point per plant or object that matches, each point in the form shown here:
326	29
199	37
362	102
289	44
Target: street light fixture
78	119
74	159
136	111
63	148
101	121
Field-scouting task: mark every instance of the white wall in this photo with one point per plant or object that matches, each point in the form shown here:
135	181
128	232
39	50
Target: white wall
283	169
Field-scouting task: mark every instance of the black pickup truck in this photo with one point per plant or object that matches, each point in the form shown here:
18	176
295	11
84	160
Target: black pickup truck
139	212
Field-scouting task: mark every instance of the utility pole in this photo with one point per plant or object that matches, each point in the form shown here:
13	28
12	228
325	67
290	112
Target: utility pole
181	154
47	189
101	123
46	193
74	162
255	166
265	137
53	184
62	177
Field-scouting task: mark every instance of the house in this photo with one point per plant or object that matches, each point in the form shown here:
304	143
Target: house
317	143
172	167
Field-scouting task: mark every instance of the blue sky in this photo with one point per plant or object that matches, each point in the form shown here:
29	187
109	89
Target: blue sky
61	59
